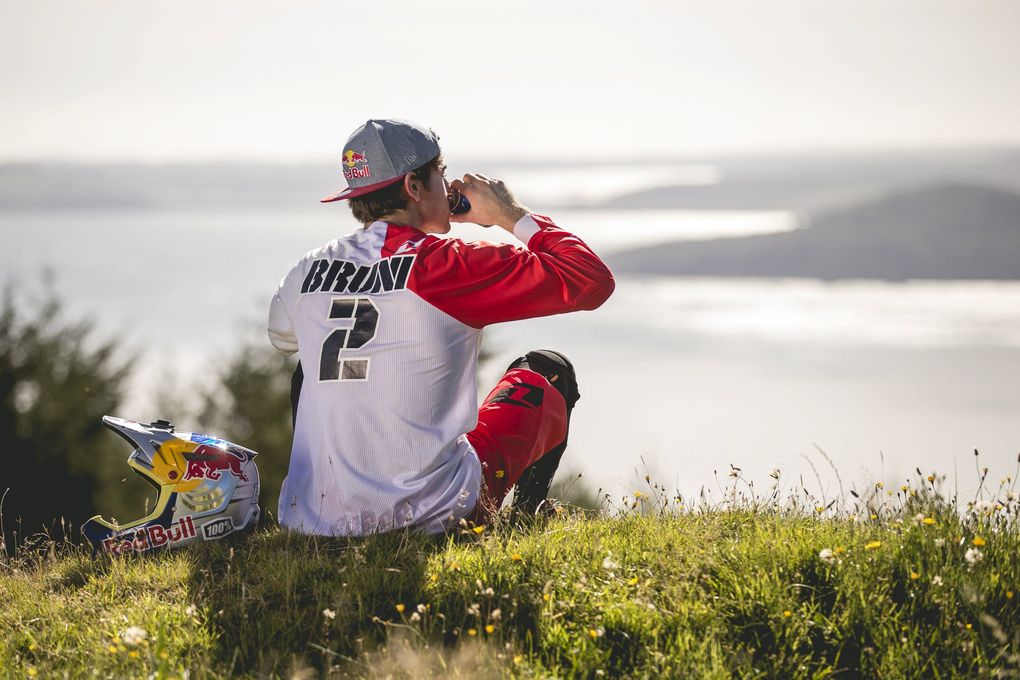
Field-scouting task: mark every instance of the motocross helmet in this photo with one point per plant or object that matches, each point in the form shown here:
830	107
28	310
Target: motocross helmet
208	488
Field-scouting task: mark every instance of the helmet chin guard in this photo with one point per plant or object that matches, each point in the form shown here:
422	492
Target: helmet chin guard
207	488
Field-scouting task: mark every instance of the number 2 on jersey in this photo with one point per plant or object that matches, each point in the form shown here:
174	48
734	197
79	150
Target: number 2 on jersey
365	317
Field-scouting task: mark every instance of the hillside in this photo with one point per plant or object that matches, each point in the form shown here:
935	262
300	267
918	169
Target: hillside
906	588
809	182
937	232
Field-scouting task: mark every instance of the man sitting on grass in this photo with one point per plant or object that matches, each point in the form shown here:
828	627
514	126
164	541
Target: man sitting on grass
387	325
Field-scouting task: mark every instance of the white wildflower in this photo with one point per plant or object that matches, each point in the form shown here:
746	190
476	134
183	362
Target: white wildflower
191	611
495	615
609	565
415	617
826	555
134	636
939	542
982	507
936	581
973	555
919	518
329	613
474	609
421	608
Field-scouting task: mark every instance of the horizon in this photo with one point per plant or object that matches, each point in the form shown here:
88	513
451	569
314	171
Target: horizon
843	153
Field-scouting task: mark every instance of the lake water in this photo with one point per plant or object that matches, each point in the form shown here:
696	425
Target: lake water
679	377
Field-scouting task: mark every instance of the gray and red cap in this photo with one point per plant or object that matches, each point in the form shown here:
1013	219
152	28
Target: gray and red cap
381	152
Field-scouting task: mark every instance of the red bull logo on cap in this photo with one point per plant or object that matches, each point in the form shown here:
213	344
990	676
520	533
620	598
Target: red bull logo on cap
351	159
209	462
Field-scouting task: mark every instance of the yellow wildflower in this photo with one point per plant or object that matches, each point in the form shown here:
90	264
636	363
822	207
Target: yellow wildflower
545	597
472	632
904	487
490	628
516	557
839	550
969	626
978	541
133	654
931	478
787	614
929	520
518	659
32	672
914	576
400	608
479	529
874	516
111	649
500	474
1009	594
632	581
872	545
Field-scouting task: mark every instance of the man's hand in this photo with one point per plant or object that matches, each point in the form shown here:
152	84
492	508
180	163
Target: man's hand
492	202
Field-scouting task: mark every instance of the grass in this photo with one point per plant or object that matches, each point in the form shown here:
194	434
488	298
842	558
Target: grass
894	584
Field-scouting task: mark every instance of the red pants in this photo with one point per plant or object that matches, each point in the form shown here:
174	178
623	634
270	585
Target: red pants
521	419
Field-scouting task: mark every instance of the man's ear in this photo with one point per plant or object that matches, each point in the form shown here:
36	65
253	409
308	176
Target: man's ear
413	187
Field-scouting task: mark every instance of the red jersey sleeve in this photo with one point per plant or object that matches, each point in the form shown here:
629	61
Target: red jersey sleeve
484	283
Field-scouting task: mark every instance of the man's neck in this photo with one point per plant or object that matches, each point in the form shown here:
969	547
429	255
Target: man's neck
404	218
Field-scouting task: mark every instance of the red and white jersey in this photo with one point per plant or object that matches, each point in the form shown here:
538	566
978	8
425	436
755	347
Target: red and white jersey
387	324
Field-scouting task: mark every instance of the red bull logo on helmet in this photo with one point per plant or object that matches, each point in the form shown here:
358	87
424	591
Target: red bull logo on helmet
210	462
146	538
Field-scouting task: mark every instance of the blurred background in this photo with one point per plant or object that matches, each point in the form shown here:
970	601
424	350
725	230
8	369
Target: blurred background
813	212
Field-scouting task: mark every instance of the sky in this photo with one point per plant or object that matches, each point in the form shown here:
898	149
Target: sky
288	80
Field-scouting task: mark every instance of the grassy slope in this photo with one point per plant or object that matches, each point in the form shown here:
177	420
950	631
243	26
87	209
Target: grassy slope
716	593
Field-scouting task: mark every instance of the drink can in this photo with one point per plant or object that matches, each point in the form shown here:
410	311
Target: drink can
458	202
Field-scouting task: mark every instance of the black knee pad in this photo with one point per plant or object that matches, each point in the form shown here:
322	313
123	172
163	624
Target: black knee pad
556	368
532	488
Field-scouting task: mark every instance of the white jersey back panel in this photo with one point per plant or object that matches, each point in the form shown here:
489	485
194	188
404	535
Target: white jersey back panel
390	459
387	323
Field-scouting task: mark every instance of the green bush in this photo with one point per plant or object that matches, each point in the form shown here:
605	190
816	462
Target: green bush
56	383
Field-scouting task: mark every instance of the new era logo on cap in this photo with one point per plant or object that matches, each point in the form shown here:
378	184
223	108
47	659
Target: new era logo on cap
381	152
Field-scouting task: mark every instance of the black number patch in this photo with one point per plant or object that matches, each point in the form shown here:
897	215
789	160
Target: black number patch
365	315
